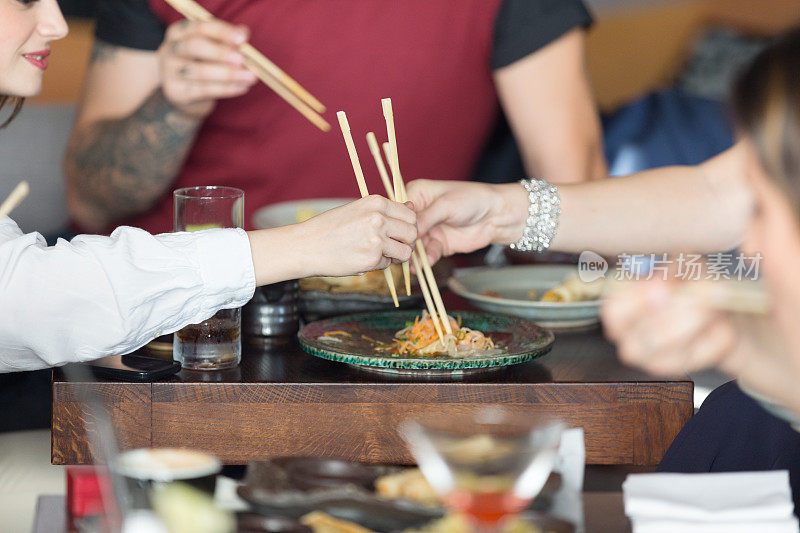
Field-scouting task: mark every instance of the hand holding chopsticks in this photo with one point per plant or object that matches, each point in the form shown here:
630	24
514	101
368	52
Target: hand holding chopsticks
674	327
362	187
376	154
423	254
267	71
396	191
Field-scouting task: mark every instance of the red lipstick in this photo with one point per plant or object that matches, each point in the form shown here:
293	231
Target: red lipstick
37	59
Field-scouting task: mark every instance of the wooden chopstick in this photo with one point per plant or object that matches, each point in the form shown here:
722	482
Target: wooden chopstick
426	266
288	96
266	71
388	115
437	296
387	151
732	296
362	187
394	165
309	99
15	198
376	154
427	295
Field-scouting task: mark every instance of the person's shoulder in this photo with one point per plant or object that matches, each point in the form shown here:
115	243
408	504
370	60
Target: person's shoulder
522	27
9	229
129	23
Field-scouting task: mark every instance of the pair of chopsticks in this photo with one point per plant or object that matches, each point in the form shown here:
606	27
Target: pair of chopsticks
399	188
267	71
732	296
14	199
396	191
362	188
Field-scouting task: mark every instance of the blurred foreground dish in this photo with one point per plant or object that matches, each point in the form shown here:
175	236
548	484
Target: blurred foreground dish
457	523
407	485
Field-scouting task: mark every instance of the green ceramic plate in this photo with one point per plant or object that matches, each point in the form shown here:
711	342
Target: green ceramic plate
520	340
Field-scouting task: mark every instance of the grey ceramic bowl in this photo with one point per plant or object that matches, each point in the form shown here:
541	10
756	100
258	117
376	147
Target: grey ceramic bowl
512	285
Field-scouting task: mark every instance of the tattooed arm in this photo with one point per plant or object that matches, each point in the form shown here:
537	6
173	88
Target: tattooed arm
119	167
139	114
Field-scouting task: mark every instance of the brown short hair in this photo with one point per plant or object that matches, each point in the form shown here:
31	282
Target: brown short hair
13	101
766	106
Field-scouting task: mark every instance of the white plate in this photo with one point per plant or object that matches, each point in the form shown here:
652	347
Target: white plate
513	284
285	213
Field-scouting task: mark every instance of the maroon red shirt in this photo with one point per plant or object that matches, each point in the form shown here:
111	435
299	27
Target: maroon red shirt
433	58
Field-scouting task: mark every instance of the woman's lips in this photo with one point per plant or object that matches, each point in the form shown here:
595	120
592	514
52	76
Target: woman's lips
37	59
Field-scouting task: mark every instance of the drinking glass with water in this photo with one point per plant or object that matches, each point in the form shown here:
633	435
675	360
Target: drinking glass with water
216	343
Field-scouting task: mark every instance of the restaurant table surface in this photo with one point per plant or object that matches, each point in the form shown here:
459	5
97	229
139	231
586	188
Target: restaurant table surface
603	513
283	402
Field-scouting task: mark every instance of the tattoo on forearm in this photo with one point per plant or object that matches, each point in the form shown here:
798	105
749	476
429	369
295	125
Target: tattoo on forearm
122	167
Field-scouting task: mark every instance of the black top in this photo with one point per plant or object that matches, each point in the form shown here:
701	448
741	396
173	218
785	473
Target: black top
522	26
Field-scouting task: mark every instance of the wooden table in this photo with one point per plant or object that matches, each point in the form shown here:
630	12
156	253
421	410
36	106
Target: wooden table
283	402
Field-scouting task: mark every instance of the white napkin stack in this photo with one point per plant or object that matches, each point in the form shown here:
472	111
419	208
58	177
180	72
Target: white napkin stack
571	461
709	503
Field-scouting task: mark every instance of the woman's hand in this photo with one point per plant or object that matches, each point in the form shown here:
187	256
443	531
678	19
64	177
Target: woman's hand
659	331
200	63
362	236
663	332
460	216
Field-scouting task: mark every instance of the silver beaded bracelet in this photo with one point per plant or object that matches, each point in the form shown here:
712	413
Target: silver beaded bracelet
543	213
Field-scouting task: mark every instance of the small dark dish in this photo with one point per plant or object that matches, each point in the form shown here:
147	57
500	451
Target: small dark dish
256	523
316	305
343	490
316	473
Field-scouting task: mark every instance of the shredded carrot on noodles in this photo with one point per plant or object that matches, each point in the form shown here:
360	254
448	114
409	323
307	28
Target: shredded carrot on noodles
421	338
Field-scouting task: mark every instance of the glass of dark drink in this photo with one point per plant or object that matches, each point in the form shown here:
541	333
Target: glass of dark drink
487	466
216	343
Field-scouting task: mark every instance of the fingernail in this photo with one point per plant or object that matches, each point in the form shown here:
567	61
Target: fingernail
236	57
241	35
247	76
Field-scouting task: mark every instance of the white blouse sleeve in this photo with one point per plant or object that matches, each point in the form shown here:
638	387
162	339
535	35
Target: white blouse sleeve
98	296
